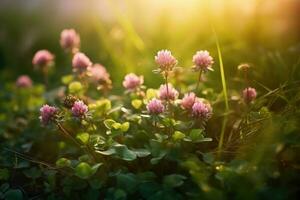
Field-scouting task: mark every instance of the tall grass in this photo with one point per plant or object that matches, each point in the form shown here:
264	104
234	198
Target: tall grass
220	145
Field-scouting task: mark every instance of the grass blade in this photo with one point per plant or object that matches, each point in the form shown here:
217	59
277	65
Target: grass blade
220	145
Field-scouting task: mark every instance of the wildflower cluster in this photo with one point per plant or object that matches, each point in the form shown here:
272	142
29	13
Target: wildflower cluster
166	102
155	111
150	126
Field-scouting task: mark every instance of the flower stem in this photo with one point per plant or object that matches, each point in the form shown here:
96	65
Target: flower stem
246	78
66	134
199	80
198	83
46	78
166	79
168	106
155	125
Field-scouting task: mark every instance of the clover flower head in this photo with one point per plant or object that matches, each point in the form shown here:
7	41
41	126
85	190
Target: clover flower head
47	114
42	58
69	40
165	60
249	94
132	81
167	92
81	62
79	109
24	81
155	107
201	110
202	61
188	101
98	73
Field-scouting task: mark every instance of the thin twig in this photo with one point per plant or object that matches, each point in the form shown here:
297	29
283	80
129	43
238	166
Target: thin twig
30	159
66	133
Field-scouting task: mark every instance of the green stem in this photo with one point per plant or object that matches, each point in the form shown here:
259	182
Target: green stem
65	133
199	80
221	141
166	79
168	106
246	79
46	78
222	73
155	125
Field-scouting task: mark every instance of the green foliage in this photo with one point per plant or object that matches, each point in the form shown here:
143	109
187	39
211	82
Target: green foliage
33	173
67	79
125	126
177	136
100	107
4	174
83	137
76	88
173	180
13	194
136	103
63	162
197	136
84	170
10	194
122	152
109	123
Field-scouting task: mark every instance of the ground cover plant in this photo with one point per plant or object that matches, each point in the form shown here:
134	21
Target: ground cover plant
182	140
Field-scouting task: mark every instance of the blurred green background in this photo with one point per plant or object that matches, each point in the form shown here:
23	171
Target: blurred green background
124	35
